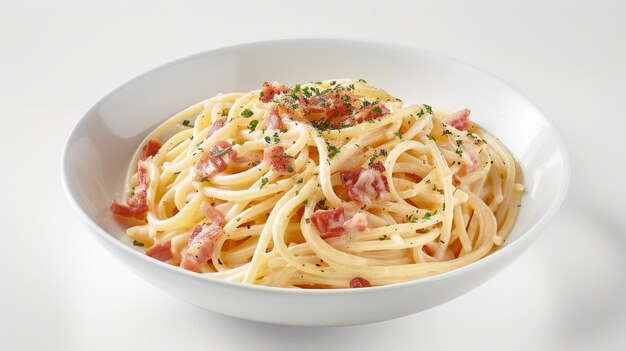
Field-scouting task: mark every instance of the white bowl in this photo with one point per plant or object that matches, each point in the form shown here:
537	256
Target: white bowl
102	142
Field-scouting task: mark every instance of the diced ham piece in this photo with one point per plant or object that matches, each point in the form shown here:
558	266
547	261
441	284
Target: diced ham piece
372	111
366	185
215	160
213	214
329	223
200	246
274	121
357	223
161	251
216	126
459	119
136	203
151	148
276	158
269	90
358	282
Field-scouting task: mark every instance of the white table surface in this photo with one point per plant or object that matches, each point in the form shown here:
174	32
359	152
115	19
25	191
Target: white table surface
60	290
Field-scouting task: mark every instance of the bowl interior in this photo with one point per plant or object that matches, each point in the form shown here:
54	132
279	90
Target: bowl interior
100	146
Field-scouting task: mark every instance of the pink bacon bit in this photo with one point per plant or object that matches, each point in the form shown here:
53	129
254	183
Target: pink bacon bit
274	121
161	251
459	119
136	203
269	90
216	126
357	223
200	246
276	158
214	161
329	223
213	214
372	111
366	185
358	282
150	149
456	181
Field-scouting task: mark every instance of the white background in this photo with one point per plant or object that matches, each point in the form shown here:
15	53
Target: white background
60	290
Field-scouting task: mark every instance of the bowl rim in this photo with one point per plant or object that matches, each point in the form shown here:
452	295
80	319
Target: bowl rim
529	234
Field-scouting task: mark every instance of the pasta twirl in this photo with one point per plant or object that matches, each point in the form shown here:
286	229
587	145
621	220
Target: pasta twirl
324	185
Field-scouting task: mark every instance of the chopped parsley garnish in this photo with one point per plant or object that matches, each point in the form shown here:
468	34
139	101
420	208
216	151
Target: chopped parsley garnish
421	113
263	182
333	151
307	92
423	231
446	131
373	158
345	97
470	135
204	179
294	106
376	109
427	215
430	137
398	134
252	125
459	142
290	169
256	163
276	138
268	139
434	187
362	80
300	181
366	103
308	221
296	88
222	152
261	96
444	206
459	152
246	113
186	124
137	243
383	152
428	109
306	202
382	237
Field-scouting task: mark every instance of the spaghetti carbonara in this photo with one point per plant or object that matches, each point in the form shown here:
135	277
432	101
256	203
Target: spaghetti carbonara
329	184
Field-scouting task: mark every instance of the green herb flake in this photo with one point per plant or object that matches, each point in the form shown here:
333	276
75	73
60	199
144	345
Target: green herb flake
300	181
428	109
398	134
382	237
137	243
459	142
362	80
333	151
446	132
376	109
459	152
186	124
430	137
222	152
268	139
306	202
204	179
290	169
308	221
263	182
252	125
373	158
246	113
